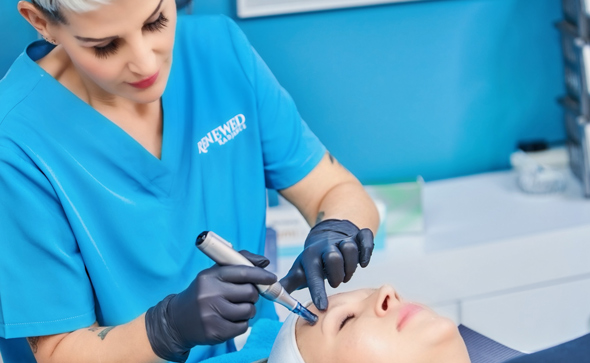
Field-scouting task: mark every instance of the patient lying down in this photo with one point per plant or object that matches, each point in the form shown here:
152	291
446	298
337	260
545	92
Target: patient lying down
370	325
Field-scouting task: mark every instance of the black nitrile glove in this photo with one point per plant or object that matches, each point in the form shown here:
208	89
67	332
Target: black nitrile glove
214	308
332	250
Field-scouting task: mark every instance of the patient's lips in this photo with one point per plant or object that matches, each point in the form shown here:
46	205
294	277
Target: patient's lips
405	314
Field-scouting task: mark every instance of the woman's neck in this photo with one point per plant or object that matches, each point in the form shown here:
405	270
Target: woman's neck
58	64
142	121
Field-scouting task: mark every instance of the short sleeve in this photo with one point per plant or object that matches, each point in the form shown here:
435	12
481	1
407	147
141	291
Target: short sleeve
44	287
290	149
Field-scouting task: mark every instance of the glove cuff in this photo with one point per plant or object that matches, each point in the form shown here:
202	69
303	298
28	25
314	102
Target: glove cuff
161	335
343	226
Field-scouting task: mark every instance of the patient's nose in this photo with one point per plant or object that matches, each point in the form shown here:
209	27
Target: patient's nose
387	299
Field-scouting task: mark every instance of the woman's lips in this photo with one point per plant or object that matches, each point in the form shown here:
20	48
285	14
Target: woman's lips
146	82
405	313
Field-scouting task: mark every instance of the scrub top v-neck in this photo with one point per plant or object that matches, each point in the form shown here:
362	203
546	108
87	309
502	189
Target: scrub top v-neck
95	227
121	147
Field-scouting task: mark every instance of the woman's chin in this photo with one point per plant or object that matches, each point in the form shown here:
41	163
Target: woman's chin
144	96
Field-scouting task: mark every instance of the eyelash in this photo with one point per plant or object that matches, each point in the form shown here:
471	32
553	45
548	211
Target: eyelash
112	47
107	50
346	320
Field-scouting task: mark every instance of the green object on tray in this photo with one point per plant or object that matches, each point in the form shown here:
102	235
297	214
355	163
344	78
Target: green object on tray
403	202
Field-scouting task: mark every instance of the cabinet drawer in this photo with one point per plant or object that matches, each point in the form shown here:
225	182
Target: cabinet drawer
531	320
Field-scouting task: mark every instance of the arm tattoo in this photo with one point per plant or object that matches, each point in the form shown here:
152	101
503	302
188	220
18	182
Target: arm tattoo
33	341
320	217
93	329
104	332
331	158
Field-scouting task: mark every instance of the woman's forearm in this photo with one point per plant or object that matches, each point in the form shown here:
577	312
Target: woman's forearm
349	201
330	191
122	343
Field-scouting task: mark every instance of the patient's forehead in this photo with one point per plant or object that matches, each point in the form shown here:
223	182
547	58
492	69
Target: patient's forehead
353	292
349	296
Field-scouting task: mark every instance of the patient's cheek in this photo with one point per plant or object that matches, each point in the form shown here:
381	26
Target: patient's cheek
309	342
366	346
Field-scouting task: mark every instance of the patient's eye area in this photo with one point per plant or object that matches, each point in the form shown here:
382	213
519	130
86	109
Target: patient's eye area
346	320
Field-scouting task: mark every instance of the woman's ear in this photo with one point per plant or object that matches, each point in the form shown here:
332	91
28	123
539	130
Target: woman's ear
35	17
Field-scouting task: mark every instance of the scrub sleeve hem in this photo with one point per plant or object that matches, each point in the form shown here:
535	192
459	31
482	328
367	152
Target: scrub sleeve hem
50	327
304	169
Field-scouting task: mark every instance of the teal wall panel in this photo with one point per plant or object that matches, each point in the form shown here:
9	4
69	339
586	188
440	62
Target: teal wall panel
441	88
15	33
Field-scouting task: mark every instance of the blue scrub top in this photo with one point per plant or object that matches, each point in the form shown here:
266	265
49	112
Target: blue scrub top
95	228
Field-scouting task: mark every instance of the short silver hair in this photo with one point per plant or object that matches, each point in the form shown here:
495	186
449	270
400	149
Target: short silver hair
77	6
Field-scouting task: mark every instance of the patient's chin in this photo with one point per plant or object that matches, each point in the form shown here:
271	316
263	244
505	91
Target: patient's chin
444	337
441	330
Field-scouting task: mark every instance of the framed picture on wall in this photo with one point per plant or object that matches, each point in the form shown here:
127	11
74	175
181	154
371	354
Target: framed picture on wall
255	8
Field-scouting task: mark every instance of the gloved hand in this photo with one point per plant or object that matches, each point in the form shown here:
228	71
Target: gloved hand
332	250
214	308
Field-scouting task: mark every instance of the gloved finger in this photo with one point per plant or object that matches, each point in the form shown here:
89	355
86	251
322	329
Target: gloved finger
295	278
364	239
239	293
350	252
223	330
333	265
235	312
257	260
314	275
246	275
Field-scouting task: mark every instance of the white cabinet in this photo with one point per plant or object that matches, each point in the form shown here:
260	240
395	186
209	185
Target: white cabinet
253	8
533	319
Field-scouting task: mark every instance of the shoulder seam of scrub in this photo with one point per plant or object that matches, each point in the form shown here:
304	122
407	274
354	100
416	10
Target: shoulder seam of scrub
19	102
228	25
31	165
28	162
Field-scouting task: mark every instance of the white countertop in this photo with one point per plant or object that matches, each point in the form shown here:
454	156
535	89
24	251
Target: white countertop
483	237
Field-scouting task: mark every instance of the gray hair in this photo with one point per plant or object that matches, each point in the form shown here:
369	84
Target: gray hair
53	8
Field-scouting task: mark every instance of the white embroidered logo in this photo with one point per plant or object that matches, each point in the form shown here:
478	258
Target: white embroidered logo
224	133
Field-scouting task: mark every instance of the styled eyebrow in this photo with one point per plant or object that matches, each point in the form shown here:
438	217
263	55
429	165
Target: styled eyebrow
155	11
85	39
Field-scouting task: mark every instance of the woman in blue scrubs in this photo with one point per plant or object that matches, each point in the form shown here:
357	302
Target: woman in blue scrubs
123	135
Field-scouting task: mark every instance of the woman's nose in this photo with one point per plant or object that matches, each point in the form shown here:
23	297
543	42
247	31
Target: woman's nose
387	299
142	59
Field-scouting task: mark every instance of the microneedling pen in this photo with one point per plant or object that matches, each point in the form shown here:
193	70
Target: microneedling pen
222	252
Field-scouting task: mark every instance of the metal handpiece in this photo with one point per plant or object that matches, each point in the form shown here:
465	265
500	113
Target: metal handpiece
223	253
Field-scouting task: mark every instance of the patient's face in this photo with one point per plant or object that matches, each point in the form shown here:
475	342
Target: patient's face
371	325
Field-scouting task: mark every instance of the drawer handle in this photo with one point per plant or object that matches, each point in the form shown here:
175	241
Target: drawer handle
586	62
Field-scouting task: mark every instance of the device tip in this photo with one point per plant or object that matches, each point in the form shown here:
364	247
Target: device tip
310	317
201	237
